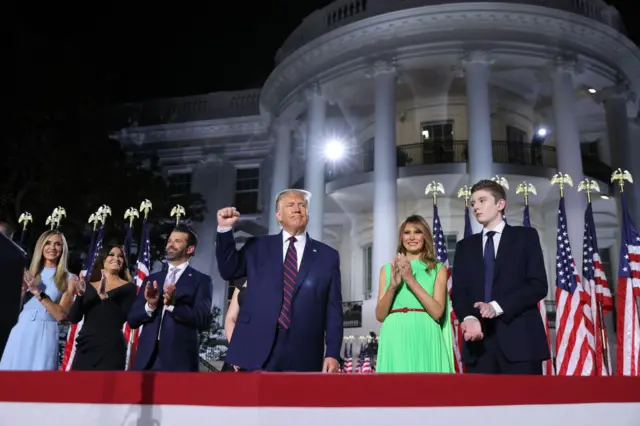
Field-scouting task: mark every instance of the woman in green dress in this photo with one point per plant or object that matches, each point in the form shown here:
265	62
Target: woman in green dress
413	306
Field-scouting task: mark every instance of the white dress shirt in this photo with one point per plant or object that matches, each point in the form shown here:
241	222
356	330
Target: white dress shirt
180	270
498	229
301	242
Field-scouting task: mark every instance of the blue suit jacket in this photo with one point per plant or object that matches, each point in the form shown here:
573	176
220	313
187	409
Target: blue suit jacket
520	281
316	306
179	342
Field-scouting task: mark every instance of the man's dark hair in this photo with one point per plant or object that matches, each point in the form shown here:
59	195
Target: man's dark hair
192	238
494	188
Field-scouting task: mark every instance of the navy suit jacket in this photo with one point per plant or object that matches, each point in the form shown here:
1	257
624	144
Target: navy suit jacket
520	282
316	305
179	344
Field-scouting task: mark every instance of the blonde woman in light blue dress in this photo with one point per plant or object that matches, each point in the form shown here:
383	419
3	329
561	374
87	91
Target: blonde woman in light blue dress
48	290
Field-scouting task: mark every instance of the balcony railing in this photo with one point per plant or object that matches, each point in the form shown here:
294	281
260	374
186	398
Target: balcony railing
450	152
344	12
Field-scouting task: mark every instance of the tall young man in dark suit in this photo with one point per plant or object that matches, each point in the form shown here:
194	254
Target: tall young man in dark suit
172	306
498	279
292	307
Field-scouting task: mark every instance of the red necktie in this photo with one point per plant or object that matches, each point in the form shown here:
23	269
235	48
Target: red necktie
289	279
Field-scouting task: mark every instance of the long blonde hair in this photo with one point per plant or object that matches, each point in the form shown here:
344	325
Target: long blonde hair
427	255
37	261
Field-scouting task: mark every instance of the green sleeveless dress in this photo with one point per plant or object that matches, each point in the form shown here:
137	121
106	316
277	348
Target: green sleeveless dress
413	342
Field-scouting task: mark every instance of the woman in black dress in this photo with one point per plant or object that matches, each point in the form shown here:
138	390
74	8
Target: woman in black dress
104	304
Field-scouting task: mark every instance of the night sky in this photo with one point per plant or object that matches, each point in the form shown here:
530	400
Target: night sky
114	52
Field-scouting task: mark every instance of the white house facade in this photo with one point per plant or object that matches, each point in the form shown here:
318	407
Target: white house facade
417	91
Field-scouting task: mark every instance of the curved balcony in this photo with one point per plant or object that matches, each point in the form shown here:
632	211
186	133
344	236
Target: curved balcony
344	12
450	157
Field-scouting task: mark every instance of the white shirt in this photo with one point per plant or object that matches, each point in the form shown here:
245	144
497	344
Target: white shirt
301	242
181	268
498	229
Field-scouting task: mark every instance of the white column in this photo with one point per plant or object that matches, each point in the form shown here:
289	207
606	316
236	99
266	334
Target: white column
385	172
480	149
281	167
314	160
623	155
567	137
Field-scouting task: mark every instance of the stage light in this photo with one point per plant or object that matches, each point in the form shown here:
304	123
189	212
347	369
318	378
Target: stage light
334	150
542	132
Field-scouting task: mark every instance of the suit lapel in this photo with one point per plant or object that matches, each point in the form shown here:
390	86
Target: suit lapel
184	280
275	246
308	256
478	257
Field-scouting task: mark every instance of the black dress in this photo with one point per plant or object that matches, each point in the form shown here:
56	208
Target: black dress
100	345
226	367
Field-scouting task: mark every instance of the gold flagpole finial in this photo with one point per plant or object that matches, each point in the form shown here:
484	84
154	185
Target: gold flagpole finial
145	207
501	180
53	220
526	188
94	219
103	212
131	214
588	186
620	176
433	188
24	219
465	192
561	180
177	211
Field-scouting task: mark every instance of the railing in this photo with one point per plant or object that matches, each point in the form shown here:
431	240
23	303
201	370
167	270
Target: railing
450	152
191	108
343	12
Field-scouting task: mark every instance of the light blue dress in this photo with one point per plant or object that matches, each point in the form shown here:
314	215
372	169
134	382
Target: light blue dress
33	342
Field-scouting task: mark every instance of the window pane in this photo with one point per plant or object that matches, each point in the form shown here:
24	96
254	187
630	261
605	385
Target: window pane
247	202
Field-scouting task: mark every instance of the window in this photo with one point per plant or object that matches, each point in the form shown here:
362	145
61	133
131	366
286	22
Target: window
247	189
367	262
437	140
179	184
516	135
515	145
437	131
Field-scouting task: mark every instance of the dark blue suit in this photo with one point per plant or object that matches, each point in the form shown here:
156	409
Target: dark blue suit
179	344
316	307
514	342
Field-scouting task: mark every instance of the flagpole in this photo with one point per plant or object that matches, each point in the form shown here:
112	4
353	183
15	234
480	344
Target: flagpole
592	186
620	176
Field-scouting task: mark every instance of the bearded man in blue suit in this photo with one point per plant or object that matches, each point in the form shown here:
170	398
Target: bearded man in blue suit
291	315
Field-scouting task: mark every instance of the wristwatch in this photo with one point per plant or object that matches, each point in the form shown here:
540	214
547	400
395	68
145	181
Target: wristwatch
42	295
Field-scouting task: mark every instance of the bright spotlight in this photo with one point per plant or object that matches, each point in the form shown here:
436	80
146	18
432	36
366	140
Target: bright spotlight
334	150
592	90
542	132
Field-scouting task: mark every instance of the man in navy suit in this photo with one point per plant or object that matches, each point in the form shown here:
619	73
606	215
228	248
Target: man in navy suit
293	302
173	307
498	278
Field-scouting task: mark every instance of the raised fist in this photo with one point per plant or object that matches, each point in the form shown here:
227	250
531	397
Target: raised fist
227	217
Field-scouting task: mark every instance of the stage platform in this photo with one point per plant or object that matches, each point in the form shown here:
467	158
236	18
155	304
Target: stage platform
243	399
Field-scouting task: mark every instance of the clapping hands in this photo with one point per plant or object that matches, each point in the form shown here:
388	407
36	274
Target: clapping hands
400	270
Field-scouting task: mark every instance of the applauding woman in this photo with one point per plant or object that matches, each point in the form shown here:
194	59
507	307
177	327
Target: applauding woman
104	303
415	336
47	295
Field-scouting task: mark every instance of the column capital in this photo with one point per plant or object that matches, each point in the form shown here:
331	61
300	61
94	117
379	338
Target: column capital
314	90
621	90
567	62
471	57
381	67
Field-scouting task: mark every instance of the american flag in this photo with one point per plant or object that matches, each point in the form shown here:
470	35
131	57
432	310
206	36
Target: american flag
348	358
628	330
595	283
574	325
468	230
443	257
74	329
547	366
143	266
